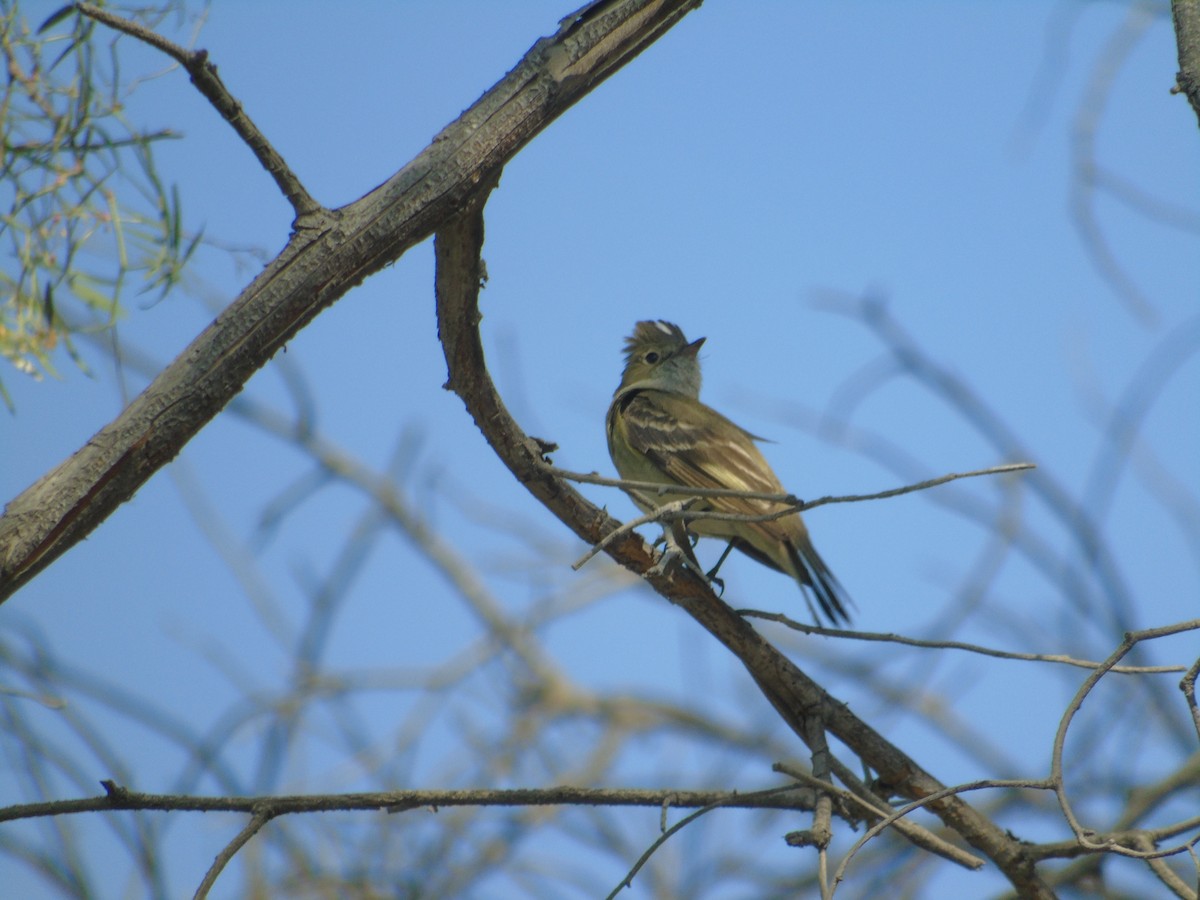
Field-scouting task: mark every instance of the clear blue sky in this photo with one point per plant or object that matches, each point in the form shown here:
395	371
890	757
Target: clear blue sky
759	158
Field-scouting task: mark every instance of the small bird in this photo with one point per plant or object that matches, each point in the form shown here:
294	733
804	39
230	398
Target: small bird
659	431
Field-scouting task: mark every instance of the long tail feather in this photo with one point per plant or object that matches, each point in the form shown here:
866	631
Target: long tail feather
831	596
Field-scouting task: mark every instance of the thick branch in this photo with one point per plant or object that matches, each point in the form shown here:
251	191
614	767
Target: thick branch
318	266
793	694
1186	15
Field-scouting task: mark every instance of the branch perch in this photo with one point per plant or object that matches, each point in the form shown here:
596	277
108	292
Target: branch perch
795	696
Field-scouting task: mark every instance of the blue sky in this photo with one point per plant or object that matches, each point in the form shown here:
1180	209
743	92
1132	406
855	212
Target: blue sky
758	162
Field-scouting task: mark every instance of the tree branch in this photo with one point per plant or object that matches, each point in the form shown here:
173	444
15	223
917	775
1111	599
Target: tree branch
794	502
204	77
667	833
1186	16
794	695
1060	658
856	795
678	511
117	797
251	828
1089	838
318	266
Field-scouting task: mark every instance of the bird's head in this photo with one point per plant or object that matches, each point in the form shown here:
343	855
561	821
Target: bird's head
658	356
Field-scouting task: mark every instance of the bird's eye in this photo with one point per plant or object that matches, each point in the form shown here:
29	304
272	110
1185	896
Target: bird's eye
651	357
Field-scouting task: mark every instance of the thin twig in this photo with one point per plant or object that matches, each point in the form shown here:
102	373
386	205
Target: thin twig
1125	836
821	832
257	821
857	794
664	513
793	502
627	881
678	511
118	797
204	76
953	645
1188	686
1088	838
901	812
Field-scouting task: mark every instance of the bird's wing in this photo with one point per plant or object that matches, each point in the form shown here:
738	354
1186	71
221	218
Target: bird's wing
698	447
693	445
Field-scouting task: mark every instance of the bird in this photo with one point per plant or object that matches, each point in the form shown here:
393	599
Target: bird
659	431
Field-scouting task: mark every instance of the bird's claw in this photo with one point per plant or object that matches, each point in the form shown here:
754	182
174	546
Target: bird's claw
712	579
669	557
672	556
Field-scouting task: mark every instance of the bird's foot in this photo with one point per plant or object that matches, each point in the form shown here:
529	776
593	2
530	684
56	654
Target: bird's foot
712	579
670	557
673	554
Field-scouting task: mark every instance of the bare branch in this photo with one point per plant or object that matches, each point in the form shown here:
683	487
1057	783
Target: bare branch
859	794
898	814
1186	16
627	881
665	513
204	77
953	645
117	797
795	696
679	511
1188	686
793	502
1088	838
257	821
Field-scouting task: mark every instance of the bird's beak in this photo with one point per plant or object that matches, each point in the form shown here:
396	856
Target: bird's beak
694	347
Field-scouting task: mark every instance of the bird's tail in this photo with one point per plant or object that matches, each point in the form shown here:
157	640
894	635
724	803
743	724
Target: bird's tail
813	574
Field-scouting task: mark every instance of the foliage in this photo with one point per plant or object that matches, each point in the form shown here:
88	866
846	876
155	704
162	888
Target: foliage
86	218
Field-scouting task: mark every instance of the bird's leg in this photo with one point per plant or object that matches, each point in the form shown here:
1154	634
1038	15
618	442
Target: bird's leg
670	555
712	573
678	549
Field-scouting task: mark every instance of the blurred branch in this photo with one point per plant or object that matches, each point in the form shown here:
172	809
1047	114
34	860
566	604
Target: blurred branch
1121	422
1112	609
1086	166
947	385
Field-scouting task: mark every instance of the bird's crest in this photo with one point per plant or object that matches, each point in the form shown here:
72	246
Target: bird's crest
654	331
